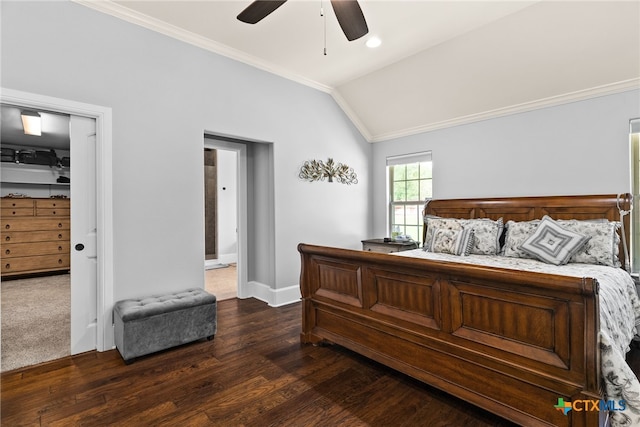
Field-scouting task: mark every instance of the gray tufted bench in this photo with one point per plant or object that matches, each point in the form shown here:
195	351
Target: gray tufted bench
146	325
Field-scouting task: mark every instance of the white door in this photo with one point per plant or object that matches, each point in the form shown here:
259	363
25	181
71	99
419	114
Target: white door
82	131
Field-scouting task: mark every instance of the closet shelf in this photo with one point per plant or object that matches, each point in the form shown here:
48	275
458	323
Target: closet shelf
21	173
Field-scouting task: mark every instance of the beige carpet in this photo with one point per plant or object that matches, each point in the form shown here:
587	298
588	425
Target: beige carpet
36	320
222	282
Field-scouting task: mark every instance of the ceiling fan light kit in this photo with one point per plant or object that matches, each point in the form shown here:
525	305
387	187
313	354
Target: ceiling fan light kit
373	42
348	13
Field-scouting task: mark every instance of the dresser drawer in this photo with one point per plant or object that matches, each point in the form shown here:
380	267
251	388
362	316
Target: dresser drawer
34	236
31	249
16	203
34	224
35	264
52	211
53	203
10	212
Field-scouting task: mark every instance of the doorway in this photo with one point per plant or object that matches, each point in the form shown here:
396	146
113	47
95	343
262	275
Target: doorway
49	212
221	225
255	213
101	117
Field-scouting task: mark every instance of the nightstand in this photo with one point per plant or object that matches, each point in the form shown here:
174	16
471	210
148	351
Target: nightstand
379	245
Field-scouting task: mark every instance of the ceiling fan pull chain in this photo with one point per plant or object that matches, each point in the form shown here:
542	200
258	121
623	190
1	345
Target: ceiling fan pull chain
324	23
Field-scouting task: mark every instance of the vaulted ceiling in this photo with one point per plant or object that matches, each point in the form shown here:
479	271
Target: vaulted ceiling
441	63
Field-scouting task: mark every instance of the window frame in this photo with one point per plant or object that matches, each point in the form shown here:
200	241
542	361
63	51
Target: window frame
408	159
634	154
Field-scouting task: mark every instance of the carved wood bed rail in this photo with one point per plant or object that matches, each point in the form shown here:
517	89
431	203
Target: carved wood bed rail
468	329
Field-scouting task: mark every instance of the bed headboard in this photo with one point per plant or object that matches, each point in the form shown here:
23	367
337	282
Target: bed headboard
528	208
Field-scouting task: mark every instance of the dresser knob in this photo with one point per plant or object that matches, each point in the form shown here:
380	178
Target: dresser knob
7	238
54	212
59	248
14	212
7	226
60	225
59	236
7	266
7	252
59	261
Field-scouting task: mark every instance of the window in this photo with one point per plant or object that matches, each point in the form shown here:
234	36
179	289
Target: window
409	185
635	191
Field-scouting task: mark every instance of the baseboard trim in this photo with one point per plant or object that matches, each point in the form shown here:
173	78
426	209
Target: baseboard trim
222	259
274	297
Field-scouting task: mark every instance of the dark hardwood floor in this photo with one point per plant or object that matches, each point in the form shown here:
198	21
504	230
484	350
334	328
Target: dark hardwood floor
254	373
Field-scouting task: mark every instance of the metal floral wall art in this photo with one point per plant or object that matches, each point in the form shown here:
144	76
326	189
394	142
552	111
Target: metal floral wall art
317	170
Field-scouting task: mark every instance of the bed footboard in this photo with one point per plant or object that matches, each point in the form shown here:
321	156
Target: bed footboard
510	342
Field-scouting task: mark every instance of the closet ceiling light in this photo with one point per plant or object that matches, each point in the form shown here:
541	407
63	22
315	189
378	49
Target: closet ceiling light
31	122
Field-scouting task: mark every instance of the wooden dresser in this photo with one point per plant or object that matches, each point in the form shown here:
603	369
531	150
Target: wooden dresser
35	235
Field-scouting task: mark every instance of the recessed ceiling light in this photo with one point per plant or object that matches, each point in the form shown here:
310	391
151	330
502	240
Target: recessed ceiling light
373	42
31	122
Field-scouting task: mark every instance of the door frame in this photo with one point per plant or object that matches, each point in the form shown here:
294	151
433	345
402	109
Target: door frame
104	195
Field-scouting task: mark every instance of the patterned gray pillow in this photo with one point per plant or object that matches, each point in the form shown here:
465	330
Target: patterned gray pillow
486	235
601	249
486	232
603	245
433	223
517	233
454	242
552	243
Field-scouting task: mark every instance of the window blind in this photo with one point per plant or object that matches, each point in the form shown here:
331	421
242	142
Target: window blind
409	158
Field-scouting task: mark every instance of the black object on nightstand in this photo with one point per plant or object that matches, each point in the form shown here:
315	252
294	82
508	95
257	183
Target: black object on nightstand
382	246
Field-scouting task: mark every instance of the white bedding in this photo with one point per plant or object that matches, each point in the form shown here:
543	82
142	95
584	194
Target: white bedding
619	320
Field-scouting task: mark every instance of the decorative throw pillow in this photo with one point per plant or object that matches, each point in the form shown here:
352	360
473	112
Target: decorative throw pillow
517	233
454	242
552	243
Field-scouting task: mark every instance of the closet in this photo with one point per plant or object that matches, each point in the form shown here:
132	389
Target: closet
35	203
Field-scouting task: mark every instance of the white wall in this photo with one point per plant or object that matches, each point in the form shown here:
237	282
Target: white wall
576	148
164	96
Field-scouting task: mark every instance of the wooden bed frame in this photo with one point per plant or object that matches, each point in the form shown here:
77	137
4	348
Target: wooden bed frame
509	342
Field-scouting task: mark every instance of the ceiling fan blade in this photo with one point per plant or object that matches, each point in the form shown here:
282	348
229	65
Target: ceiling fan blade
258	10
350	18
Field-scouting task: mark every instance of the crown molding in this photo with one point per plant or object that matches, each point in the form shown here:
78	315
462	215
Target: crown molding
129	15
351	114
608	89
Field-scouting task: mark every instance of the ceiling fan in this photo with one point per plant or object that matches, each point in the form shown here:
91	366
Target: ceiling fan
348	12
